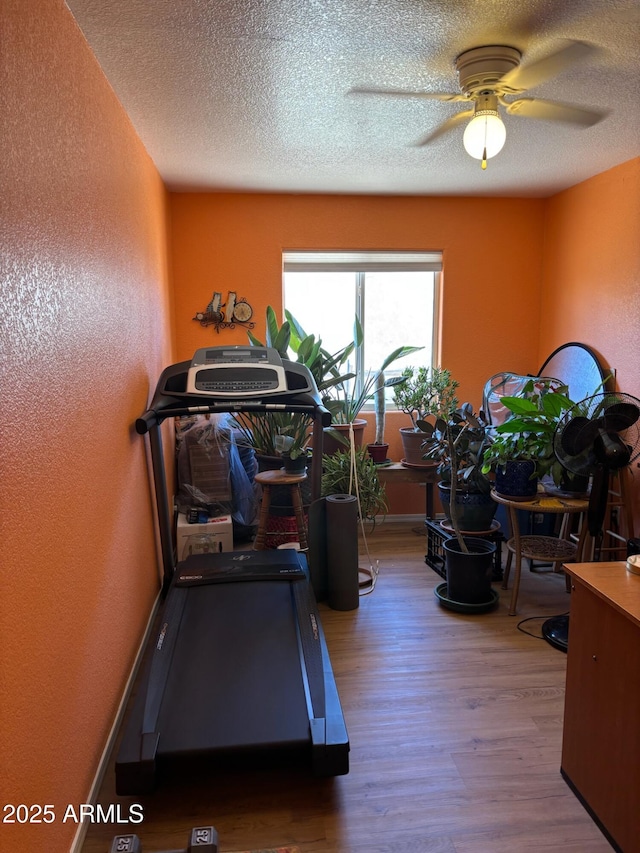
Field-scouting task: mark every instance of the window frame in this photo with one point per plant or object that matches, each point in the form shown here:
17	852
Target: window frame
360	262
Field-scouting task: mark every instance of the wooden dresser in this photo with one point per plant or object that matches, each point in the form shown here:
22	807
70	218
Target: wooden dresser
601	736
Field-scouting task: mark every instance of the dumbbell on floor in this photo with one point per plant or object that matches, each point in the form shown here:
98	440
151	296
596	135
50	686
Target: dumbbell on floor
203	839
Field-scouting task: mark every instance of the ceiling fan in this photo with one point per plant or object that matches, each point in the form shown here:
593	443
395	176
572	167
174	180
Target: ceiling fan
492	76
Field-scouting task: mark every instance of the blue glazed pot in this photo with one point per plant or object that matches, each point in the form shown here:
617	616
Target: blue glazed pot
517	481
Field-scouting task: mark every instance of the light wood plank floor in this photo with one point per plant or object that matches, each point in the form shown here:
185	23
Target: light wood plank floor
455	725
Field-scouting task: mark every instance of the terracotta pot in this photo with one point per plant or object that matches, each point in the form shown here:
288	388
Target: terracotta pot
378	452
412	442
331	445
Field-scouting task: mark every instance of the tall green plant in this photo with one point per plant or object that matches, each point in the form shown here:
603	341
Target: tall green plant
348	398
271	433
380	407
327	369
457	441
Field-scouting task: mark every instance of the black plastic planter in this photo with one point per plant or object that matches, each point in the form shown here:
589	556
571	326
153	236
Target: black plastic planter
469	575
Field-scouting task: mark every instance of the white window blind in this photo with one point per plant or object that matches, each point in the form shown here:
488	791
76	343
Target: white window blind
300	261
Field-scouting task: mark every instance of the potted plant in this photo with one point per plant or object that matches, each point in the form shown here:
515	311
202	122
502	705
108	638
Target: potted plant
293	449
422	391
379	448
337	479
457	441
346	399
272	434
265	431
522	449
276	437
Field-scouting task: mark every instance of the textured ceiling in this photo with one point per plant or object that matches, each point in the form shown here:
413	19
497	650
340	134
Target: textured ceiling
254	94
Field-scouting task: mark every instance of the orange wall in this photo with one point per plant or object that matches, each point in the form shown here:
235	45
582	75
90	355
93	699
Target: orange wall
84	334
591	280
86	331
492	269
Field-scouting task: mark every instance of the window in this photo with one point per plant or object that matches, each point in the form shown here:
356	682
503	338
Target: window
395	295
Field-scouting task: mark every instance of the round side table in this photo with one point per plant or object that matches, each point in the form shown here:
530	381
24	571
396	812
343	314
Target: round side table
547	548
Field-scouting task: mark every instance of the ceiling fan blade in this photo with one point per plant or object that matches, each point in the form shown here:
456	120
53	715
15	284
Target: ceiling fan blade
553	111
452	122
409	93
528	76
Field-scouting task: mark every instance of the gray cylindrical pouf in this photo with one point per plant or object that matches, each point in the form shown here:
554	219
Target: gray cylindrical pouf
342	552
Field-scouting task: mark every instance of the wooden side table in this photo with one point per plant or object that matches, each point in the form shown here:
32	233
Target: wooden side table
546	548
397	472
279	477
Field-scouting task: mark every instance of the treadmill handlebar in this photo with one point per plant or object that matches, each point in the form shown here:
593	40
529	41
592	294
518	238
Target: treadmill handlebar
153	418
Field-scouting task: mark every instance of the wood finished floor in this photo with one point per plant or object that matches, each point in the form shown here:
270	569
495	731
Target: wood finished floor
455	724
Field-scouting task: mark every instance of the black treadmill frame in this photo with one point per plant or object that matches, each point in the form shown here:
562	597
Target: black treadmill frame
141	754
171	400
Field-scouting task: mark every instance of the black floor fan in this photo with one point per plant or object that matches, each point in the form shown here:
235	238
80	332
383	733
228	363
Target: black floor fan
595	437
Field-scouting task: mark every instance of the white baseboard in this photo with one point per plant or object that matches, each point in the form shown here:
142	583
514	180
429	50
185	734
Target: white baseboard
78	840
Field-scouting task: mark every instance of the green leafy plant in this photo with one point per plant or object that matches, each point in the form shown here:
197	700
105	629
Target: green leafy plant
275	433
528	432
327	369
457	440
424	391
337	479
347	399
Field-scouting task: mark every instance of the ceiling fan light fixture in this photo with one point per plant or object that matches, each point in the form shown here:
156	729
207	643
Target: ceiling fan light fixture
485	134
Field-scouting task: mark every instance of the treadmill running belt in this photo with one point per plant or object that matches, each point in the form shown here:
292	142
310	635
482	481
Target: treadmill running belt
256	697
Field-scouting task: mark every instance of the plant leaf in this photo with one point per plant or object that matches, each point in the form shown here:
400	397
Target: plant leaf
358	334
282	338
400	352
519	405
254	341
554	404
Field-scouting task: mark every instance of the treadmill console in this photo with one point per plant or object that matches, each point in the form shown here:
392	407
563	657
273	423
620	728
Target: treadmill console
241	371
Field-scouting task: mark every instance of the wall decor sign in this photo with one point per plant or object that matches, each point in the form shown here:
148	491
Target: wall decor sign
237	312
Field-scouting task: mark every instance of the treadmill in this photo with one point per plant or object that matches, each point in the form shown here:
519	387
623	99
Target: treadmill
237	671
